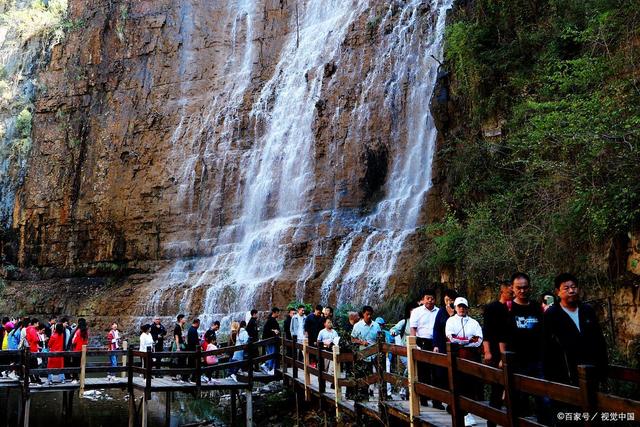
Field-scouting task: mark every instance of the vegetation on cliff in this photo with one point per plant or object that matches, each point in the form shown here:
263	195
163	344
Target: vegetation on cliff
542	159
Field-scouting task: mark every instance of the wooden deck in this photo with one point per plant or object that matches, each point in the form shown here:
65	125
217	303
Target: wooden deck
399	408
89	384
167	384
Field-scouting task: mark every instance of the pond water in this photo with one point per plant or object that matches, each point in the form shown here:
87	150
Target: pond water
109	408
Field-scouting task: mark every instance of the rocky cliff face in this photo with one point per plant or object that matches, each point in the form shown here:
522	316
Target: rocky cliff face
207	156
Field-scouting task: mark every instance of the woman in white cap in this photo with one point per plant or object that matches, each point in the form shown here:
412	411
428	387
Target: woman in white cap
467	333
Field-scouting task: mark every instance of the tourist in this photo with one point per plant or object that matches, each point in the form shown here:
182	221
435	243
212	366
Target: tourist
113	344
448	310
525	337
210	335
389	340
50	327
146	340
80	339
327	313
56	343
32	341
242	338
252	330
441	378
3	335
467	333
193	341
211	359
252	326
365	334
353	317
14	336
422	321
158	332
271	329
400	332
287	324
178	345
327	336
496	336
312	326
572	335
7	329
297	324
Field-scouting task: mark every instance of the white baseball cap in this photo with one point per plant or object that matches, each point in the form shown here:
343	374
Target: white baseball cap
461	301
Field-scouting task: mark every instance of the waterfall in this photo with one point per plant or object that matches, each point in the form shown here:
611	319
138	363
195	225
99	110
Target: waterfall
414	60
246	158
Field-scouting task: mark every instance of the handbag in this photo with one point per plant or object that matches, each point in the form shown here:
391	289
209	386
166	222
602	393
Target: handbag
211	359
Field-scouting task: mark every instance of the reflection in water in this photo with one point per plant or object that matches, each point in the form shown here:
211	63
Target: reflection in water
110	409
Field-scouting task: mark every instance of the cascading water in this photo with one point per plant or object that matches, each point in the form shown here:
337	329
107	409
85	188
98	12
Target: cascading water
239	261
414	58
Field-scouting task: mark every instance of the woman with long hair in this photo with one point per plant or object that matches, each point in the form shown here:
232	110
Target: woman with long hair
56	343
80	338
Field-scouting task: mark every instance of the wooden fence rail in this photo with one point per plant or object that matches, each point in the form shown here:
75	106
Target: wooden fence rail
140	370
584	397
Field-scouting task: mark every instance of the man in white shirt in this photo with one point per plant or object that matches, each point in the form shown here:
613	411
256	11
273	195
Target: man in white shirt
297	326
467	333
421	323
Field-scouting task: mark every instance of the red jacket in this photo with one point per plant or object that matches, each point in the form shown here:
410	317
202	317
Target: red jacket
77	342
33	339
110	337
56	343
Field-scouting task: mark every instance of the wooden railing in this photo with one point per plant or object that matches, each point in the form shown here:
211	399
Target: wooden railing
584	397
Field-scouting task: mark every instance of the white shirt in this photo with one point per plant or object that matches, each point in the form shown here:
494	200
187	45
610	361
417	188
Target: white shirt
146	340
460	329
297	326
327	336
574	316
423	319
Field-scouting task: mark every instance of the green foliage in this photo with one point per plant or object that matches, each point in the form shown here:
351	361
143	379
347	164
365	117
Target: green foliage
23	124
308	308
39	18
562	179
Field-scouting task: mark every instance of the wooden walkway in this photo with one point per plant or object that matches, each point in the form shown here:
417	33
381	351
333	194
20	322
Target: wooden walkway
427	415
317	384
140	372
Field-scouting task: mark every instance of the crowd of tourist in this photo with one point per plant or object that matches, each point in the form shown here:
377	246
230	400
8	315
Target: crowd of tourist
549	337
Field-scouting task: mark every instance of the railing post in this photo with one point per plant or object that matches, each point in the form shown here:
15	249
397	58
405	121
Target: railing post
588	389
25	397
294	355
283	355
148	373
509	392
336	379
457	419
83	365
412	367
249	412
125	347
307	374
381	367
132	399
198	370
322	385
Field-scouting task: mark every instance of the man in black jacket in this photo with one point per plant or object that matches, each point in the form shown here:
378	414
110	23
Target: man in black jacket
271	329
572	335
193	341
158	332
